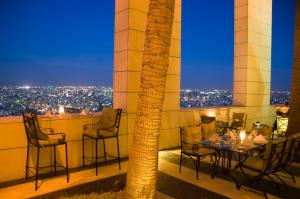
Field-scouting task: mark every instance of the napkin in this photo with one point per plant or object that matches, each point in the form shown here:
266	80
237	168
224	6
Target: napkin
214	138
253	134
83	112
260	139
230	134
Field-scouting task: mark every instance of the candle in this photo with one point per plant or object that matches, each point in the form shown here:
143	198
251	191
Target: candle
242	135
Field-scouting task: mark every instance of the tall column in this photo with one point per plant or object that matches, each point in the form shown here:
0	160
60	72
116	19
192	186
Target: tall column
130	26
252	52
252	59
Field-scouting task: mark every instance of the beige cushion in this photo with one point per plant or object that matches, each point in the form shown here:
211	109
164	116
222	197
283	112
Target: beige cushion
237	119
106	134
54	139
201	151
254	163
96	131
108	117
33	127
266	131
191	135
268	151
208	129
91	130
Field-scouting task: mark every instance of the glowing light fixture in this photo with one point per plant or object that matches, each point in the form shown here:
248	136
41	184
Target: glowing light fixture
242	135
211	114
61	109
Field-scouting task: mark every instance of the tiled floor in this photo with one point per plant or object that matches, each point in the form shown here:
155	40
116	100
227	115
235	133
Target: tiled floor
218	185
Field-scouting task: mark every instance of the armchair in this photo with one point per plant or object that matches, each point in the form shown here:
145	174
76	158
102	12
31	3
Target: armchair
190	145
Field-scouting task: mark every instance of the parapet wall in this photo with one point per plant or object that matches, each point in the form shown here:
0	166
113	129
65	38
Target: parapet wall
13	139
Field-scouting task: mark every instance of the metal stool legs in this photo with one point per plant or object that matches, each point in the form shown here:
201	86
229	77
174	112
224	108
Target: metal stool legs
27	157
37	168
118	153
96	157
67	165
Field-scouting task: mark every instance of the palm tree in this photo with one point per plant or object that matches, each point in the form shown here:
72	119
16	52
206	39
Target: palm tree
143	158
294	115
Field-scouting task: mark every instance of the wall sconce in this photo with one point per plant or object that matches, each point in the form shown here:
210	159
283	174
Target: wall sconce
61	109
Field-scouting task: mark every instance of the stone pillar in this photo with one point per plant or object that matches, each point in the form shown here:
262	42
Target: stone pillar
252	54
130	26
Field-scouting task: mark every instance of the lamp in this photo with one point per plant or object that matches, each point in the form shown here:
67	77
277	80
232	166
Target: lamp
61	109
211	114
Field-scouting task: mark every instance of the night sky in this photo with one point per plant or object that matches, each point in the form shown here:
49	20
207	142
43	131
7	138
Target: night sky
60	42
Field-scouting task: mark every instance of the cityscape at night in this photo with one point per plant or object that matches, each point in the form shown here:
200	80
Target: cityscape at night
15	100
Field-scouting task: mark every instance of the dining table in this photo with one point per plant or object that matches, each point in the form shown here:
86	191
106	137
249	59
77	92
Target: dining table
231	147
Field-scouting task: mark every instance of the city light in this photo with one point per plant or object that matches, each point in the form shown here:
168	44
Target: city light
39	99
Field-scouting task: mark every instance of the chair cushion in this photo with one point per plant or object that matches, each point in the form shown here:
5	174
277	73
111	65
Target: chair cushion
237	119
208	130
266	131
108	117
106	134
41	135
254	163
268	151
35	128
191	135
54	139
91	131
96	132
201	151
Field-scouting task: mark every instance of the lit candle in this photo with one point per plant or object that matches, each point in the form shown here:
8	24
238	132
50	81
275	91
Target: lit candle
61	109
242	135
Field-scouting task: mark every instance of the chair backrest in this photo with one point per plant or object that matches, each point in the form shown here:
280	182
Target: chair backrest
282	123
207	119
189	136
292	147
263	129
208	125
111	118
239	120
274	153
30	128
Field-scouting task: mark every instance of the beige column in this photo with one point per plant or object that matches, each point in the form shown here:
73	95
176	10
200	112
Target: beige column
252	52
130	26
252	58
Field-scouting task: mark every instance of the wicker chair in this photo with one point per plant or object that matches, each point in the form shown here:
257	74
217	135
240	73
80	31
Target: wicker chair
106	128
37	137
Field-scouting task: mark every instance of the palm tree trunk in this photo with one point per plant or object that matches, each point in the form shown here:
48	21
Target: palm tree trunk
294	114
143	158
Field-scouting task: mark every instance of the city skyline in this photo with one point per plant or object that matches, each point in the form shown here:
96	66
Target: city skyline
14	100
71	43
